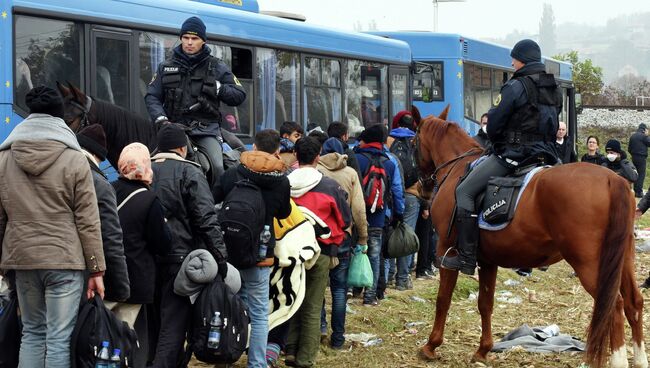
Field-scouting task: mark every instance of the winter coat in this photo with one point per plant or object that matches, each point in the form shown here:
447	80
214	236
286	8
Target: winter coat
638	145
565	152
48	208
267	172
327	200
622	167
116	278
403	133
334	165
595	159
188	206
377	219
145	235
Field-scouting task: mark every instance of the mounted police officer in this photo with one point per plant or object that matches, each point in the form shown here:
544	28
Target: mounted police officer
187	89
522	129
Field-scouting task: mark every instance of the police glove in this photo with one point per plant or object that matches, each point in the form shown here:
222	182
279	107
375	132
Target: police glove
162	119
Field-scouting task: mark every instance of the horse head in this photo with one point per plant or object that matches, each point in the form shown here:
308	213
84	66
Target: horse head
435	150
76	106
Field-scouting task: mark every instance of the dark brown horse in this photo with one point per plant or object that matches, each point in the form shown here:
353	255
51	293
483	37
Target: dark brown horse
581	213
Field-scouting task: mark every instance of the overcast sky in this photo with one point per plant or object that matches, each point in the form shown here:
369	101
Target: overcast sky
472	18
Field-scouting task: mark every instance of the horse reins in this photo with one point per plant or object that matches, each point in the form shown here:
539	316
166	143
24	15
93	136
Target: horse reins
85	111
454	161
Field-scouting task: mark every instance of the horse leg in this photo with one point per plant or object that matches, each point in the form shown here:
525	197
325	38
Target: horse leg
487	280
448	280
633	307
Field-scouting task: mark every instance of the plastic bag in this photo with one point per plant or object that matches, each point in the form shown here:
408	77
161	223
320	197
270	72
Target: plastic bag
402	241
360	272
10	329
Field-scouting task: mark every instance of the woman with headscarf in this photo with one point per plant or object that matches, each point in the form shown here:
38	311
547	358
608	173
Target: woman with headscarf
144	229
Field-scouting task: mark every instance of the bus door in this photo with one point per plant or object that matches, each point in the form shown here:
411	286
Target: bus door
110	63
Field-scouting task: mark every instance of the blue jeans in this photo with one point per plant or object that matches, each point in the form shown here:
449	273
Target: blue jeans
49	304
374	249
338	287
411	211
255	293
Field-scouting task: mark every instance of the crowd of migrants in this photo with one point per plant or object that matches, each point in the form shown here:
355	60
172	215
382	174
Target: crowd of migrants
141	242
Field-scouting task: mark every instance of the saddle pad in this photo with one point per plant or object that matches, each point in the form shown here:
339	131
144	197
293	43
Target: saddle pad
496	227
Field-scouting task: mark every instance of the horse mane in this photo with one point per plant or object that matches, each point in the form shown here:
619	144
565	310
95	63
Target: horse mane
437	129
123	127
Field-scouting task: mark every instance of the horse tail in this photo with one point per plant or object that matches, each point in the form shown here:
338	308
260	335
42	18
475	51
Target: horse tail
612	253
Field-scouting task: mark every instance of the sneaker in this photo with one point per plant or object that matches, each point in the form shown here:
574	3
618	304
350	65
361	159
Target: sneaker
525	272
373	303
400	287
425	275
349	293
390	283
646	284
409	283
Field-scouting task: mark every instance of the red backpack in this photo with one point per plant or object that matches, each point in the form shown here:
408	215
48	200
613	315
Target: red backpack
375	182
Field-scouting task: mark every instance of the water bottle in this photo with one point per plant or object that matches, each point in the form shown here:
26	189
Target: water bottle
265	237
103	357
115	359
214	336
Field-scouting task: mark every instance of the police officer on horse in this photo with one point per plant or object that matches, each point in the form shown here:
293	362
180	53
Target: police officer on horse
187	89
522	128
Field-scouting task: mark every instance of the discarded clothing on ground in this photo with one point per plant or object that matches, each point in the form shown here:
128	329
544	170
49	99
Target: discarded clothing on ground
539	340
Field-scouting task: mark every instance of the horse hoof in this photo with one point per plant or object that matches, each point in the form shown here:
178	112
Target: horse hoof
428	353
481	358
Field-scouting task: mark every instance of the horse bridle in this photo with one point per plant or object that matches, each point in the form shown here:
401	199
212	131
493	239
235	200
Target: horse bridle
85	111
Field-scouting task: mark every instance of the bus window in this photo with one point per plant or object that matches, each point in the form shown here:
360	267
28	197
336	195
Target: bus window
278	78
46	51
477	90
398	89
428	82
322	91
154	49
111	79
366	94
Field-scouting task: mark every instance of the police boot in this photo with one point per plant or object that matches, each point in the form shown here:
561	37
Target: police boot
465	261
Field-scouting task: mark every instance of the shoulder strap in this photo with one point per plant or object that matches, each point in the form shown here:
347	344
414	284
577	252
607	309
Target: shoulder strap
531	88
131	196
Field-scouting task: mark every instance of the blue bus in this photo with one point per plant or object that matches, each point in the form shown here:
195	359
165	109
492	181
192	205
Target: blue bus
292	71
468	74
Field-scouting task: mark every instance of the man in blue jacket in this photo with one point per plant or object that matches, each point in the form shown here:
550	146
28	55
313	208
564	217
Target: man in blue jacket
371	146
188	88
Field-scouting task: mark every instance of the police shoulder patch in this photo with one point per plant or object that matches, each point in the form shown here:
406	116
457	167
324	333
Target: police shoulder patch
497	100
153	78
236	80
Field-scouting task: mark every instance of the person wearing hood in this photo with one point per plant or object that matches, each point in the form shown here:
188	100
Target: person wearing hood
264	168
46	180
638	148
481	137
326	199
92	140
340	131
290	132
188	88
522	128
333	164
372	146
616	160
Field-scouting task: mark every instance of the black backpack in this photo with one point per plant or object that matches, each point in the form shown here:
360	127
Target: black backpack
95	324
217	297
10	330
404	150
242	221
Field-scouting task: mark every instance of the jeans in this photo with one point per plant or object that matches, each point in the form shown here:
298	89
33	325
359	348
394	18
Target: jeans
255	293
374	249
338	287
411	211
49	304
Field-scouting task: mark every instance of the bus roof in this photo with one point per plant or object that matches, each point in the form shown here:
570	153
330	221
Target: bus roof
224	24
431	46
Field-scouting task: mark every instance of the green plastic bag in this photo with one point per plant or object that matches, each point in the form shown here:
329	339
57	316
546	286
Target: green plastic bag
360	272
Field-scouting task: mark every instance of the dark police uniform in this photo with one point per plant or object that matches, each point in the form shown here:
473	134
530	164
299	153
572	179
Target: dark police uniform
638	148
188	89
522	130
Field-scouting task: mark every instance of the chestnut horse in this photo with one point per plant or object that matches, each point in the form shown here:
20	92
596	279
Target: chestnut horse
550	225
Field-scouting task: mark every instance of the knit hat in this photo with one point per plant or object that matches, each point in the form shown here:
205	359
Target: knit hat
526	51
194	26
332	145
643	126
613	145
373	134
171	136
403	119
44	100
93	139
